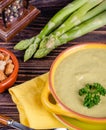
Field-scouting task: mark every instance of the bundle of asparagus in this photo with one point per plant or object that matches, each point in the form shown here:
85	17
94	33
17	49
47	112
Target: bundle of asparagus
76	19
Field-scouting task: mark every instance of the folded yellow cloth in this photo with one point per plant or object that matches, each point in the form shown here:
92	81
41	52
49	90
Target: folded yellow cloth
27	97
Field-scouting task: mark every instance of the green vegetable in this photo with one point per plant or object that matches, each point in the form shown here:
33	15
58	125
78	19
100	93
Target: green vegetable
55	21
47	40
61	16
76	17
31	49
93	12
92	93
85	27
51	42
22	45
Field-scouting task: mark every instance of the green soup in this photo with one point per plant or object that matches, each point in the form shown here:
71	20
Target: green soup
76	70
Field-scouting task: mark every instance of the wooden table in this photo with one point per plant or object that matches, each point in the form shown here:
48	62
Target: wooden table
35	67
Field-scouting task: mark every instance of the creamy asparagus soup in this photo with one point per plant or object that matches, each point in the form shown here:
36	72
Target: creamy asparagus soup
76	70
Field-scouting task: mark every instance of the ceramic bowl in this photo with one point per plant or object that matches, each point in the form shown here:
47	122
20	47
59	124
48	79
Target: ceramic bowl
10	80
74	124
58	106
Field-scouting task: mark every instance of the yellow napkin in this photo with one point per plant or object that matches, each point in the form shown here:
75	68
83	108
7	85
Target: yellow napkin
27	97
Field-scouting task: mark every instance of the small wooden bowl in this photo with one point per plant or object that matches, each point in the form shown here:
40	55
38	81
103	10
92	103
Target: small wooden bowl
10	80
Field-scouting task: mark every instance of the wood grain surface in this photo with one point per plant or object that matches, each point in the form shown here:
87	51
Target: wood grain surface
35	67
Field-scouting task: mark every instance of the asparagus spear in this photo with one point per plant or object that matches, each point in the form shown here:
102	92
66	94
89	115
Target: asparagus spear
76	18
31	49
87	26
60	16
90	25
93	12
55	21
98	9
22	45
73	20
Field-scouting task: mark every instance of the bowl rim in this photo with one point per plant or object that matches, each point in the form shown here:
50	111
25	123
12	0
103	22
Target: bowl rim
52	68
72	125
13	75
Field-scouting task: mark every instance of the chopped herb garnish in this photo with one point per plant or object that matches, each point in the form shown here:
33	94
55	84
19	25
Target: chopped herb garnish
92	93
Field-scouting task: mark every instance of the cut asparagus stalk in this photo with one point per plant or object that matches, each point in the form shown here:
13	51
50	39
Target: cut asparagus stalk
55	21
86	27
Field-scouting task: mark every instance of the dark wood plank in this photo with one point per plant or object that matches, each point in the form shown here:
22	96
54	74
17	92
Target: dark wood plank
35	67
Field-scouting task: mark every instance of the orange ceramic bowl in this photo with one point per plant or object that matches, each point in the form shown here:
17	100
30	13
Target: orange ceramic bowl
60	107
10	80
